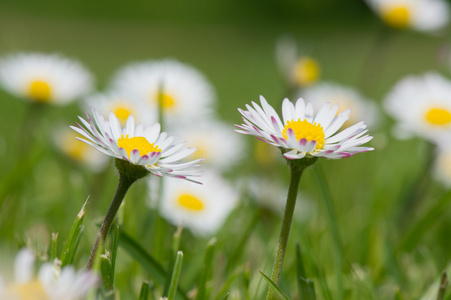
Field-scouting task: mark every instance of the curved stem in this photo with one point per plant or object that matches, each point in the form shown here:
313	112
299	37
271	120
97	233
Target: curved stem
124	184
295	179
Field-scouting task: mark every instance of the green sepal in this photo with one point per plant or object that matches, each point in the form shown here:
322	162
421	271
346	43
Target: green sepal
129	171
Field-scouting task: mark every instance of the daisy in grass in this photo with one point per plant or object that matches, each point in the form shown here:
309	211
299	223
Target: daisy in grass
298	70
44	78
422	15
185	92
345	97
221	148
51	282
66	141
422	107
147	147
302	134
122	106
138	151
201	208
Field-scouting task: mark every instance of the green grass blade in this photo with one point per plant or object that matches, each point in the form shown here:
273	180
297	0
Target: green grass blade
226	296
106	270
174	248
206	270
145	290
113	250
175	276
305	286
54	247
73	238
274	286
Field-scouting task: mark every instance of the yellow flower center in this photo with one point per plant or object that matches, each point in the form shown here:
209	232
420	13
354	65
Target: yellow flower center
397	16
40	91
438	116
122	112
25	291
74	148
138	142
190	202
306	71
306	130
167	101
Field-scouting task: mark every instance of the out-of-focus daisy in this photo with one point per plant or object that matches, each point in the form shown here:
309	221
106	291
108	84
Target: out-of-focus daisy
122	106
186	93
138	145
45	78
362	109
302	134
422	15
298	70
442	165
51	283
65	140
201	208
215	142
422	106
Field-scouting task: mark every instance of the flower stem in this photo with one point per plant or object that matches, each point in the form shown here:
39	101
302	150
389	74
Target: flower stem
295	179
122	188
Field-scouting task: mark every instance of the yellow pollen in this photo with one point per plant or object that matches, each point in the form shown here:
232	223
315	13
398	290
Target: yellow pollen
122	112
438	116
190	202
396	16
26	291
167	101
305	130
306	71
40	91
138	142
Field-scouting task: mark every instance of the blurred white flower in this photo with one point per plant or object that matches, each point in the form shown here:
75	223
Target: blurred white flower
361	108
422	15
201	208
51	283
66	141
122	105
45	78
298	70
216	142
421	105
186	93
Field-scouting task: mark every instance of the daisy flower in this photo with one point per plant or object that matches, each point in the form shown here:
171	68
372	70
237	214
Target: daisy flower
147	147
302	134
422	107
66	141
186	93
298	70
51	283
345	97
201	208
422	15
215	142
122	106
44	78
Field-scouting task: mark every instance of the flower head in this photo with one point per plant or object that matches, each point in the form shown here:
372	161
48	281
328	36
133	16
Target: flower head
202	208
44	78
142	146
185	92
302	134
52	282
422	15
422	106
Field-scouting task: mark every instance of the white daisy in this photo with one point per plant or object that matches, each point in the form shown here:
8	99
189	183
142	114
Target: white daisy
298	70
442	165
46	78
144	146
66	141
201	208
422	106
215	142
186	92
51	283
345	97
122	106
302	134
422	15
